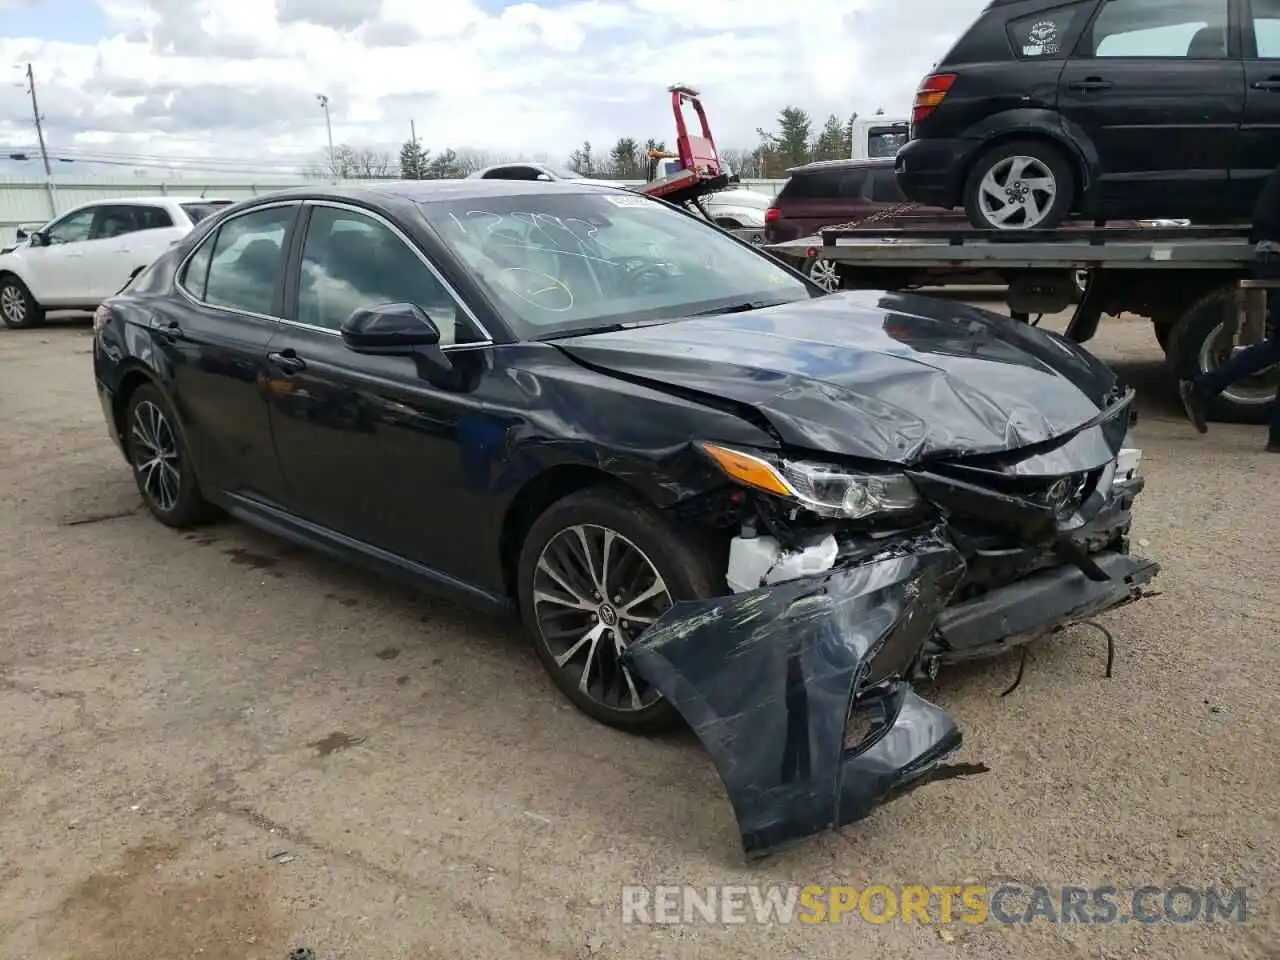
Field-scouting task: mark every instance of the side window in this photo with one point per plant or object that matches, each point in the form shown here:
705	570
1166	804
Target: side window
113	220
1047	35
146	217
1266	28
248	255
1186	30
350	261
72	228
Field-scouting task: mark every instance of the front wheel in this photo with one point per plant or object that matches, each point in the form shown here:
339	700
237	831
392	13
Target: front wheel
824	273
595	570
18	308
1023	185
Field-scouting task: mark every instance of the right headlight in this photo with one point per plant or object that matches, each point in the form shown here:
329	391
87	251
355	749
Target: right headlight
826	489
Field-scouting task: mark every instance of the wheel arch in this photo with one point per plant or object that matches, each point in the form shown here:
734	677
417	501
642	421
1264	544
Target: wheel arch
133	377
540	492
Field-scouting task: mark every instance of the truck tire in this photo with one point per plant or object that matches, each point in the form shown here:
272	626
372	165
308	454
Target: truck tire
1033	175
1193	348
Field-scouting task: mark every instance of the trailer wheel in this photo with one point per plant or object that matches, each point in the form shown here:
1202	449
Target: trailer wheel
822	272
1199	343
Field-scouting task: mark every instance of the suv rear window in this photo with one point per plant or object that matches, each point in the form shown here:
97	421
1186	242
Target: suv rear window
824	185
198	211
1049	34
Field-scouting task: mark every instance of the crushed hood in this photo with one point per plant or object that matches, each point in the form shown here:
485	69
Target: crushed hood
889	377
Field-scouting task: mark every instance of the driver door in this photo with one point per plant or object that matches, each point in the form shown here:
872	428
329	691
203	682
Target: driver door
369	447
53	270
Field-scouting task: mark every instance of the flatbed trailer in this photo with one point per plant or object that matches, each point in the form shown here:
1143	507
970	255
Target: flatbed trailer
1186	280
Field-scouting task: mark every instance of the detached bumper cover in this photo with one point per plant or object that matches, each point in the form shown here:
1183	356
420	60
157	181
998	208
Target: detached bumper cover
774	681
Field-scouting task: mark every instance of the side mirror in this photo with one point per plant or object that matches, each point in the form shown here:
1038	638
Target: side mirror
396	330
21	233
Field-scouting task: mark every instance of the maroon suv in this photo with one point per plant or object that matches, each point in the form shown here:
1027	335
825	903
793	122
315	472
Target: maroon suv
832	192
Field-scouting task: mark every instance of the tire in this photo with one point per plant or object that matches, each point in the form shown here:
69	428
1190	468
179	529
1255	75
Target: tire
151	427
1191	348
1044	162
639	531
824	273
18	308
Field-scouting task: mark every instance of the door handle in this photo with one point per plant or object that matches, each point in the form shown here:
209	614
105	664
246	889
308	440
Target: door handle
171	331
1089	83
287	362
1271	83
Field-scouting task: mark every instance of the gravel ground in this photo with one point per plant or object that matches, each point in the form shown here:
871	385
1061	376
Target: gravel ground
219	745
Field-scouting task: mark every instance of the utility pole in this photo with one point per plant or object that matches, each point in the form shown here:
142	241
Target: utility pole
328	124
35	112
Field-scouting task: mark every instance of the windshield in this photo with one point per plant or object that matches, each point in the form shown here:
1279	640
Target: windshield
561	263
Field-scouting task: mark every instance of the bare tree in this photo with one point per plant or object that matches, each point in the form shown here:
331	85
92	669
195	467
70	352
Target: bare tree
468	160
355	163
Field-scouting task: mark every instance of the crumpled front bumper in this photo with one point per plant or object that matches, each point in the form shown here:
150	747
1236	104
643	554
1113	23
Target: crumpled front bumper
796	689
772	681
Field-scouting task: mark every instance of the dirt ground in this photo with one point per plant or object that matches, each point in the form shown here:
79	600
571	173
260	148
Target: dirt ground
217	745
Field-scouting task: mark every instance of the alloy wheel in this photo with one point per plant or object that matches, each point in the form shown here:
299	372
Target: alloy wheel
13	304
824	274
1257	390
594	592
155	456
1017	193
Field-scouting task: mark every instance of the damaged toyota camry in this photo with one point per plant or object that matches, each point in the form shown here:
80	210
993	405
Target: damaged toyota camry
711	490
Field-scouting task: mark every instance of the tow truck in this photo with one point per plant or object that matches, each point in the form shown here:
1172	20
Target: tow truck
1192	282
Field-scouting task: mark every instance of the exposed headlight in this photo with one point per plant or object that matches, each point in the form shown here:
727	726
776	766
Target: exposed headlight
826	489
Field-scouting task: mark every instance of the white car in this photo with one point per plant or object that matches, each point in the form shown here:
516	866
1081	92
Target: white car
90	253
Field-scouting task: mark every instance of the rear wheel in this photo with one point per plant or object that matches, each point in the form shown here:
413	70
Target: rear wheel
18	308
595	570
1022	185
161	461
1200	343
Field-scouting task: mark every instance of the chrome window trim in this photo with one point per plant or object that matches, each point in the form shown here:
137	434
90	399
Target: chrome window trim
182	266
487	340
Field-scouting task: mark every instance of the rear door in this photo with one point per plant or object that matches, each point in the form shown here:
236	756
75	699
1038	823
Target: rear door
1157	87
1259	148
126	237
214	339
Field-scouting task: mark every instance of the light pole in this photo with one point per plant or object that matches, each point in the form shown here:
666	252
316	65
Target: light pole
328	124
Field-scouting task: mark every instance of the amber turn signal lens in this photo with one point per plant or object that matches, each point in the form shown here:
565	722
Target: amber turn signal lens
748	470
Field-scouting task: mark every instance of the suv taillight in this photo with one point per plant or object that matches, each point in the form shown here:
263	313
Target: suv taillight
771	214
933	90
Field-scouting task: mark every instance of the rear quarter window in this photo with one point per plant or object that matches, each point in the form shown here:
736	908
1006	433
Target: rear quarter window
1048	34
198	211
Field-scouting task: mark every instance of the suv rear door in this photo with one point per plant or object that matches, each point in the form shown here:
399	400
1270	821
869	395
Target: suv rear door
1258	152
1158	88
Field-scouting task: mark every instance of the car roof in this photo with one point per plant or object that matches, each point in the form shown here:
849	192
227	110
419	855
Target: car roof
838	166
440	191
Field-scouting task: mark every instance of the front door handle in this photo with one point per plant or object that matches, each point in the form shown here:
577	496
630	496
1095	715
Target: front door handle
1271	83
287	362
1089	83
171	331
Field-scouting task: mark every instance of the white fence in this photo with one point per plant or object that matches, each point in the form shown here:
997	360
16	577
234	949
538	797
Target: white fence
27	201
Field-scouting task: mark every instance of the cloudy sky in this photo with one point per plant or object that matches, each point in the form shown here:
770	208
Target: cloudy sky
232	84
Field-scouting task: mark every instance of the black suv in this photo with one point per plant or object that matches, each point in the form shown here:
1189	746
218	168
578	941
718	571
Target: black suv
1102	108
